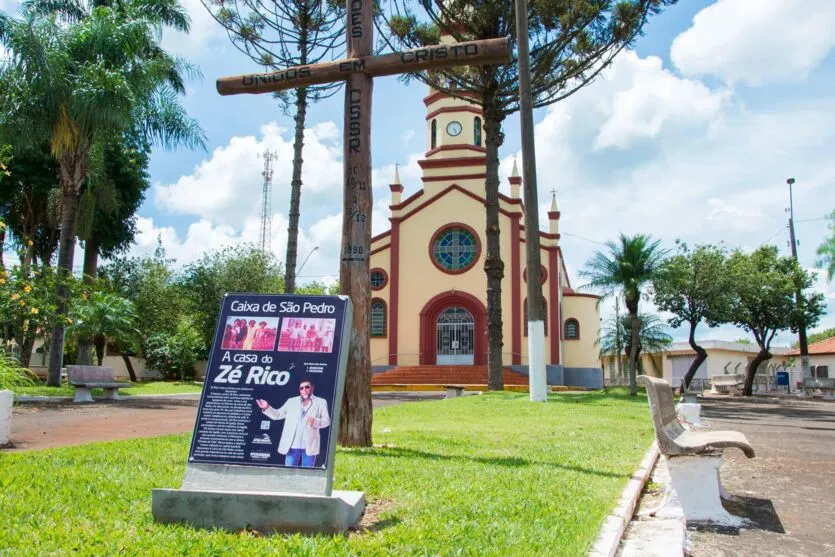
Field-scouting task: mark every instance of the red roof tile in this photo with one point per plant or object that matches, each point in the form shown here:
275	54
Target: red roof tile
821	347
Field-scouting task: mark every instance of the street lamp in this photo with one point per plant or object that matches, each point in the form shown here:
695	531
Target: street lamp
305	259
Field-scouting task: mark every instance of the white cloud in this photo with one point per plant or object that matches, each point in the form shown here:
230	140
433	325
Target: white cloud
407	136
645	98
227	187
756	41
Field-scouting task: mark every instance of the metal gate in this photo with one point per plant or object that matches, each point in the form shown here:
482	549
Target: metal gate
454	337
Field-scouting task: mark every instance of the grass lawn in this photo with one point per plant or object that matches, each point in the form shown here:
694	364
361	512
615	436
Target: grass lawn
143	388
479	475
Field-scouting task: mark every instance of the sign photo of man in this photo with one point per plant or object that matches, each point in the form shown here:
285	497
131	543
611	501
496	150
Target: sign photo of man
303	416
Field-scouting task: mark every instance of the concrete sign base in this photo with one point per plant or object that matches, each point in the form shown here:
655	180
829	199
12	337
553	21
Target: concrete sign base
266	512
6	400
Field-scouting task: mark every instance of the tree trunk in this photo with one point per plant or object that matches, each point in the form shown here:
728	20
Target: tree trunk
2	248
91	261
72	171
129	366
493	264
751	371
26	349
633	351
101	346
701	356
295	194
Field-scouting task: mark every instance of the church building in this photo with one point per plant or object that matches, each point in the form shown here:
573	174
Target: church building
427	272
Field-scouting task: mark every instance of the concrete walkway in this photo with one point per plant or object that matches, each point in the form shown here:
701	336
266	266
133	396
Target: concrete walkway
787	491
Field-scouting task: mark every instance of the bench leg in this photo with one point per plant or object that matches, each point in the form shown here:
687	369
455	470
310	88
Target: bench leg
111	394
452	393
83	394
695	485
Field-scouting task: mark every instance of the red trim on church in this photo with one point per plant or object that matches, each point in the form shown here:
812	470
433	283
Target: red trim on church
554	215
441	194
455	147
378	250
438	95
380	236
515	180
394	290
458	177
554	299
516	294
429	317
396	188
453	162
574	294
474	109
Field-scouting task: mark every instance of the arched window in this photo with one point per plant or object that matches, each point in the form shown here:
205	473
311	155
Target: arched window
545	308
434	131
378	318
477	131
572	329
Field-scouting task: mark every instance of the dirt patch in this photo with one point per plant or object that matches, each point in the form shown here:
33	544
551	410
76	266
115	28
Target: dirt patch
57	424
45	425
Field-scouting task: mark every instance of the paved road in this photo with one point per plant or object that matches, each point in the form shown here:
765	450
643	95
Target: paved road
787	490
54	424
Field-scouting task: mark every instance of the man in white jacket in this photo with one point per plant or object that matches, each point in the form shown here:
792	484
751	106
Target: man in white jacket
303	417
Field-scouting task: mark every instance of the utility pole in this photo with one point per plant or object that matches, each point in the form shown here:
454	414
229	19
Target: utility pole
265	235
536	310
798	299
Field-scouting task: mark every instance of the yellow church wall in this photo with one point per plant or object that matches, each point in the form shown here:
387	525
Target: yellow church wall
420	280
581	352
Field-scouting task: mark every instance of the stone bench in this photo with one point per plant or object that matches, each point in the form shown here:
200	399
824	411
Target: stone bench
453	391
693	458
811	385
726	384
87	378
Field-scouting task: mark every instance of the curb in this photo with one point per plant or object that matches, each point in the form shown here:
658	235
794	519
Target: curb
56	399
615	524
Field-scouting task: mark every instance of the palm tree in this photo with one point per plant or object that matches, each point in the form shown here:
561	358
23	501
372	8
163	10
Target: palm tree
626	266
80	75
105	317
616	335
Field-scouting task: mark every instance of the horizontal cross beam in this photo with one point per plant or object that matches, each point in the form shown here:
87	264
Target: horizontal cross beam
487	51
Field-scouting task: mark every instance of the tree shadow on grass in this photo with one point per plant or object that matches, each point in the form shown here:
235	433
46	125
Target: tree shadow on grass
760	514
511	462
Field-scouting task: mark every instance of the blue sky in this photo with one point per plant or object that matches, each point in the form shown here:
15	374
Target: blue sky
690	135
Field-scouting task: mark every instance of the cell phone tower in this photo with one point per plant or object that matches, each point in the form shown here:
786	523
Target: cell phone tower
266	201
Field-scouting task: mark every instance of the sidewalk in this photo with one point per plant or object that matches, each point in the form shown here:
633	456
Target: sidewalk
787	491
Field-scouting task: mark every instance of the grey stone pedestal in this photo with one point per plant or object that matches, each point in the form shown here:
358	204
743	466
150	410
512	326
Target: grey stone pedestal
267	512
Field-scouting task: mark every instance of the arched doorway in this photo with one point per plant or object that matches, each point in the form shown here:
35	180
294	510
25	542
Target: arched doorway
454	337
461	303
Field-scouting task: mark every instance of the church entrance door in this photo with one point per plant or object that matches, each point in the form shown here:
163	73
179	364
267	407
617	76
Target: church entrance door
454	344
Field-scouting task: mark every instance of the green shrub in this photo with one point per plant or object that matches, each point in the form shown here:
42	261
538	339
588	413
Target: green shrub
175	355
12	374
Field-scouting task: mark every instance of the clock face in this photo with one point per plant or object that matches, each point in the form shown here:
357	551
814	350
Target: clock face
453	128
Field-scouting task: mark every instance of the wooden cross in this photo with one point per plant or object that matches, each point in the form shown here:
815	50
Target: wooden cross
358	70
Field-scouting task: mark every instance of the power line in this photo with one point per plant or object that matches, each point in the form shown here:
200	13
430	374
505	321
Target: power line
782	228
582	238
811	220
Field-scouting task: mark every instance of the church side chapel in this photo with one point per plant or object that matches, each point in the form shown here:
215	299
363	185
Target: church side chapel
428	283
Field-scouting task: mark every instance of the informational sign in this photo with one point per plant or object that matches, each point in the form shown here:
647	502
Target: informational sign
273	382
